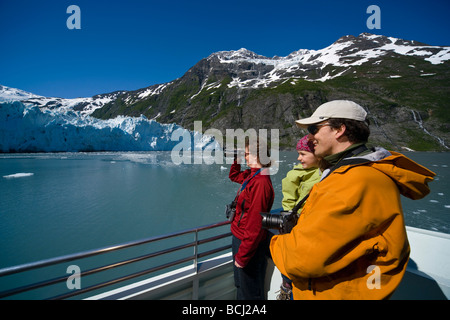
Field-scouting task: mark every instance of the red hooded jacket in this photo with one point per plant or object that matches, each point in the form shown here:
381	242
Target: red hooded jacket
257	197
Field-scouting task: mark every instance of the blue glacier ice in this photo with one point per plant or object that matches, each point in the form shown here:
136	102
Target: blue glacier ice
28	128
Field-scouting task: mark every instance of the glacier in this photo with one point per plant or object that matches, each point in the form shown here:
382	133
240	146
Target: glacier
28	128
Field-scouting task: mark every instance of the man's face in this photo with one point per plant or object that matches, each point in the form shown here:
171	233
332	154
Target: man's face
323	137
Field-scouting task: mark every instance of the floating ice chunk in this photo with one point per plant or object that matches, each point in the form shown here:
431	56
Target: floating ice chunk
18	175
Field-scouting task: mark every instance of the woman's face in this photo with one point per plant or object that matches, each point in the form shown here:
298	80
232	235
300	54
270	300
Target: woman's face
251	159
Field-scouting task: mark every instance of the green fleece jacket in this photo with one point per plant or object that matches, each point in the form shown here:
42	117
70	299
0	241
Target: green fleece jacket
297	184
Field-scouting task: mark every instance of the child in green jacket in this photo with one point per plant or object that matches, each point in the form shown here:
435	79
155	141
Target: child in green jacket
302	177
295	187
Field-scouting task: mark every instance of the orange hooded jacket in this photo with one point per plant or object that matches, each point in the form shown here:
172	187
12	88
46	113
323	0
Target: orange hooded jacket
350	241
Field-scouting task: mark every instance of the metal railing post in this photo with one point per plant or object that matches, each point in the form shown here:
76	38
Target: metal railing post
196	252
195	281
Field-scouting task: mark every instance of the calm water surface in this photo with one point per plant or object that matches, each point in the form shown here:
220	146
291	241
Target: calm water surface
73	202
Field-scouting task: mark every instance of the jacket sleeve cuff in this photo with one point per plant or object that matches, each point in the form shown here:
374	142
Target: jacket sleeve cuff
236	258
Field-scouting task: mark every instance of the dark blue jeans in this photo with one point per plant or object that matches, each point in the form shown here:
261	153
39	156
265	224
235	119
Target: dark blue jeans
249	281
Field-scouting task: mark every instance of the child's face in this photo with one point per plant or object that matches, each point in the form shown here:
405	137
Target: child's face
307	159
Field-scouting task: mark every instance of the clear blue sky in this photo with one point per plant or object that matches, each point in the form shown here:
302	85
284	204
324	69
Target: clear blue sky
132	44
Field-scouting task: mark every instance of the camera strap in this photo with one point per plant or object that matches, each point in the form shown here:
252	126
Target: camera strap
299	205
246	182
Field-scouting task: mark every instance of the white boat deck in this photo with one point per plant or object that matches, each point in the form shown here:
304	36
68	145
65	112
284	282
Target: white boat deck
428	270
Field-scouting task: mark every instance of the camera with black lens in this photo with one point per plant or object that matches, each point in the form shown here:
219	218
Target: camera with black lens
282	221
230	210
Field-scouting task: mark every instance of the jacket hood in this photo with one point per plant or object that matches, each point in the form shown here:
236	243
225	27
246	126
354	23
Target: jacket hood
411	178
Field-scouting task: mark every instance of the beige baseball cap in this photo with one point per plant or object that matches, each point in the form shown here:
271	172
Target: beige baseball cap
334	109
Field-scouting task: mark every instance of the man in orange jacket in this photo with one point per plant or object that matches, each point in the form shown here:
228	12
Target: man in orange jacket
350	241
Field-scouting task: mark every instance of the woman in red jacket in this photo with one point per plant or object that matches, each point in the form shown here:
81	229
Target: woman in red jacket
249	240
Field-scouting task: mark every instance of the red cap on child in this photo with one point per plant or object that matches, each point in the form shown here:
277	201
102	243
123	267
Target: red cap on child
305	144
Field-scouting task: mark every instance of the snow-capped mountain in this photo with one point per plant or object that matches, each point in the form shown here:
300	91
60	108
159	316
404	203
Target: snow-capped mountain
13	94
251	70
324	64
85	105
242	89
404	86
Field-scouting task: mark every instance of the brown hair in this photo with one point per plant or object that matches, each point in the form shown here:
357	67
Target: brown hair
262	151
355	131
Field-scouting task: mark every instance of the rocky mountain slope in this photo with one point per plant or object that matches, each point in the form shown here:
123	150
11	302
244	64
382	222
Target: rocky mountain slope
404	85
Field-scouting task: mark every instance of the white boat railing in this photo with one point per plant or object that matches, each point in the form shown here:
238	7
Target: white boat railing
22	281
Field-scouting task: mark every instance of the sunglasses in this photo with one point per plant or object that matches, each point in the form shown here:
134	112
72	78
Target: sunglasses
314	128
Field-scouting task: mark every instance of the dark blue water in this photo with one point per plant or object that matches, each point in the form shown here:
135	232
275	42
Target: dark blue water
80	201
